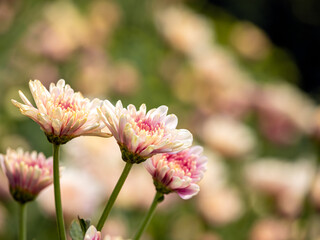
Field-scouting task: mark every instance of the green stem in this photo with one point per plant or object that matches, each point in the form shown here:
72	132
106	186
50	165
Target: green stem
114	195
23	222
57	194
157	198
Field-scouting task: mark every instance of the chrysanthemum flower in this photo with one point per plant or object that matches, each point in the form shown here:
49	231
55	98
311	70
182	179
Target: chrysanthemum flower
61	113
28	173
92	234
178	172
142	134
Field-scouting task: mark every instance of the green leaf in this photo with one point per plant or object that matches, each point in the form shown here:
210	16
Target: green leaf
76	232
84	224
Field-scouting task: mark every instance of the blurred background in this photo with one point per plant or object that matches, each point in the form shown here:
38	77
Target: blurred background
243	76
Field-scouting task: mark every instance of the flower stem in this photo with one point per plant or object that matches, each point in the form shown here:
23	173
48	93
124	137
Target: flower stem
57	194
23	222
157	198
114	195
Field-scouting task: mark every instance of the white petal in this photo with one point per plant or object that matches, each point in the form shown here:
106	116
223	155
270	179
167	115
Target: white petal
24	99
147	151
61	83
56	124
196	150
171	121
176	182
162	172
143	109
149	166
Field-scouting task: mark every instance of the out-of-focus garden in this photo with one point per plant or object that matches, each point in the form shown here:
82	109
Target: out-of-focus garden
224	78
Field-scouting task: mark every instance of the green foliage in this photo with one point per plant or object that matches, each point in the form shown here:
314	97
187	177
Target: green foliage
76	231
79	228
84	224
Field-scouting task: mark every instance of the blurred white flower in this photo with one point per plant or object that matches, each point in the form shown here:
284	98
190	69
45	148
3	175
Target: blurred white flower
220	206
227	136
217	202
288	182
221	84
185	30
271	229
250	41
81	195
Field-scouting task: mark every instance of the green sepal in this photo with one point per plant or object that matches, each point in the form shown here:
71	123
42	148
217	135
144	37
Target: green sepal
161	188
58	140
22	195
130	157
76	232
84	224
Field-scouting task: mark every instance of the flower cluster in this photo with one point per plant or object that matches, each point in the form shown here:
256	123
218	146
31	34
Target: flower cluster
143	136
28	173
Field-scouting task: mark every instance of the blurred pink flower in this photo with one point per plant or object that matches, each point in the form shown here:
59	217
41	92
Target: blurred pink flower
28	173
284	112
178	172
316	123
219	202
271	229
92	234
61	113
142	134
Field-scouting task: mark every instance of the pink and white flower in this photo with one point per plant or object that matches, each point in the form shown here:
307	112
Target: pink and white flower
28	173
178	172
142	134
92	234
61	113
